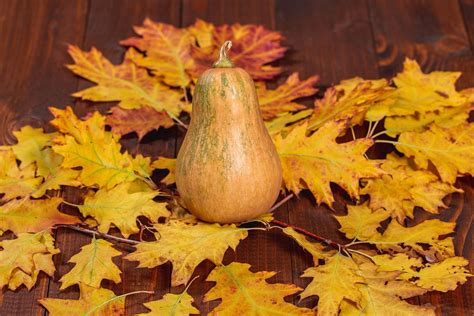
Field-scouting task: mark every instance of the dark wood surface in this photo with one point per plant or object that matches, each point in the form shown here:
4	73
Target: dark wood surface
336	39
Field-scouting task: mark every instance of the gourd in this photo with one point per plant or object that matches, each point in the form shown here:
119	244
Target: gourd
227	168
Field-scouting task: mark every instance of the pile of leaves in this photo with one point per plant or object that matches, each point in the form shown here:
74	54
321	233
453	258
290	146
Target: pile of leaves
386	260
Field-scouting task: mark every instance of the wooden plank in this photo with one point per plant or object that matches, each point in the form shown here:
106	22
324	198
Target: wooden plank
432	32
334	40
109	22
268	251
467	8
32	52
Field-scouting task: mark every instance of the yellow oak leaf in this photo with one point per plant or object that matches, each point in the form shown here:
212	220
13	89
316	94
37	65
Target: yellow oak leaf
92	302
315	249
246	293
350	100
280	100
172	304
120	207
168	51
280	123
419	92
13	181
450	150
93	264
403	188
383	295
25	215
127	83
183	245
319	160
361	222
202	31
170	165
22	258
31	142
253	47
333	282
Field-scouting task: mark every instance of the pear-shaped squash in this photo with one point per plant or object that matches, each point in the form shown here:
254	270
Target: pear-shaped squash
227	169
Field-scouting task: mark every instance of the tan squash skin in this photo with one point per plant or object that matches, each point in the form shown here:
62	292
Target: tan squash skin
227	169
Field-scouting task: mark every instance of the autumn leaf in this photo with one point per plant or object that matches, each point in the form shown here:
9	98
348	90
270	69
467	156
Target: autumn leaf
29	149
120	207
170	165
316	250
26	215
92	302
13	181
361	222
333	282
318	160
280	123
280	100
383	295
172	304
22	259
202	32
93	264
141	121
168	51
253	47
55	181
127	83
450	150
246	293
183	246
412	187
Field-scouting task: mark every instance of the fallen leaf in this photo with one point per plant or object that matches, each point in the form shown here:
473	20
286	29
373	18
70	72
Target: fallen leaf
168	51
333	282
127	83
403	188
28	253
92	302
280	100
119	207
170	165
253	47
93	264
280	123
54	181
172	304
318	160
26	215
246	293
31	142
448	149
361	222
202	31
183	246
141	121
315	249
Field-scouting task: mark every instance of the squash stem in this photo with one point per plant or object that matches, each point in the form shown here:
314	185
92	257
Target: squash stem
224	60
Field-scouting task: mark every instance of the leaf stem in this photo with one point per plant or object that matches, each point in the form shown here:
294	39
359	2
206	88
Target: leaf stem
383	141
89	312
96	233
283	201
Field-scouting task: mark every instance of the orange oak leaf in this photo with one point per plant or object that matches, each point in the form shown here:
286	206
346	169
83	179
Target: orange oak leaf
253	47
127	83
280	100
168	51
25	215
140	121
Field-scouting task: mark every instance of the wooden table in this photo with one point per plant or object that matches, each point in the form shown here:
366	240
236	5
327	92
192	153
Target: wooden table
335	39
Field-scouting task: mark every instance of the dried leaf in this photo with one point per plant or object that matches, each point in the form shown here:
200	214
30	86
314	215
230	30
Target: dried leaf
55	181
25	215
333	282
141	121
280	123
172	304
22	259
246	293
318	160
253	47
132	86
361	222
202	31
93	264
120	207
170	165
92	302
168	51
183	245
403	188
280	100
448	149
315	249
